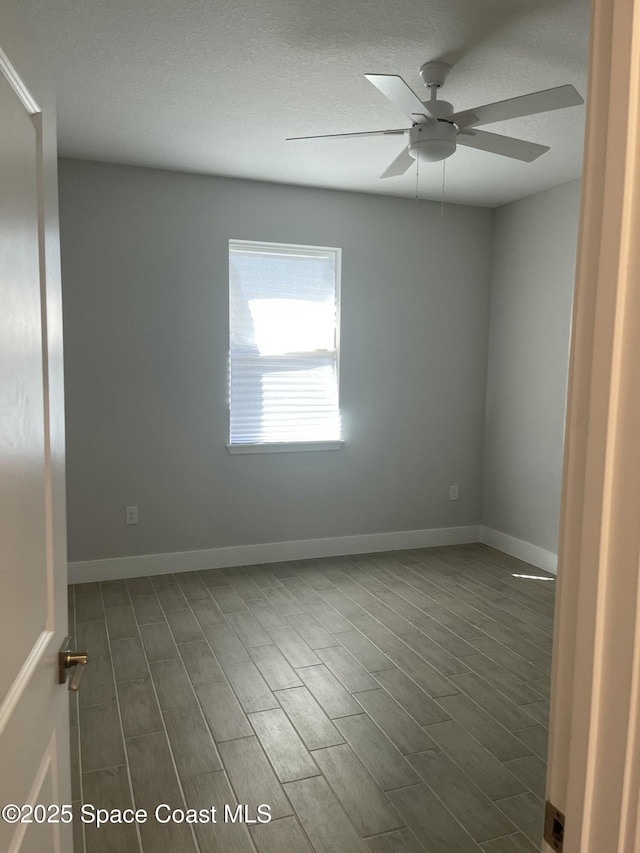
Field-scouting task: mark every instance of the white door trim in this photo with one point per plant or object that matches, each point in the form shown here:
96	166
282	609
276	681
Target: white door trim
594	750
28	101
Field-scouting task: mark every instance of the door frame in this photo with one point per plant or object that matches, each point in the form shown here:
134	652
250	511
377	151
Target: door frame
594	750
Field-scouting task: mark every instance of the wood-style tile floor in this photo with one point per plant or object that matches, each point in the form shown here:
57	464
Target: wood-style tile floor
386	703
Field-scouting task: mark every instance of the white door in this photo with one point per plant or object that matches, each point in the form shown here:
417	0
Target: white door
594	749
34	728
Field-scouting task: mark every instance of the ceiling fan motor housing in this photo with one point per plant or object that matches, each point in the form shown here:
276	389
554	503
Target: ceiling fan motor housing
434	73
432	141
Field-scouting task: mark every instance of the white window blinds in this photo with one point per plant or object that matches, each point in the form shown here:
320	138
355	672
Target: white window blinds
283	319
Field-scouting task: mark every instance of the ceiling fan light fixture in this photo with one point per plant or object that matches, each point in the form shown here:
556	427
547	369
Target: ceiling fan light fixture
437	129
433	141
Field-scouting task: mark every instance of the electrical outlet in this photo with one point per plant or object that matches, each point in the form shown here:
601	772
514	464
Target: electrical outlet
453	493
131	514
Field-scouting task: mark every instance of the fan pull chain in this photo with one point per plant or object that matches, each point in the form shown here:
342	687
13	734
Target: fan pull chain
444	163
417	176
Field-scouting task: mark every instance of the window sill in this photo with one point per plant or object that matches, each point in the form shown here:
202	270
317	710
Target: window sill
287	447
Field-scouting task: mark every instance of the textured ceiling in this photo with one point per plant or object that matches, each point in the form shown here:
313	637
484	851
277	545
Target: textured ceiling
216	86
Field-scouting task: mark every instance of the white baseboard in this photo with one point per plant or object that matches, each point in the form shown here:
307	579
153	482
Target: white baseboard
270	552
533	554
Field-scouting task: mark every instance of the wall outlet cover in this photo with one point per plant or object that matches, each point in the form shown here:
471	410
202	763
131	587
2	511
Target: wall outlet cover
131	514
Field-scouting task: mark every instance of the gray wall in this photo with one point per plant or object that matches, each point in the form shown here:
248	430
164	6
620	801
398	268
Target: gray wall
531	295
144	256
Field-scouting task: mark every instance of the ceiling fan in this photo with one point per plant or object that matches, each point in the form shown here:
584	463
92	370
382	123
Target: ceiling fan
437	129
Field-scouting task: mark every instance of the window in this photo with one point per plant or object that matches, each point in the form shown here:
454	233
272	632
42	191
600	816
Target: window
283	347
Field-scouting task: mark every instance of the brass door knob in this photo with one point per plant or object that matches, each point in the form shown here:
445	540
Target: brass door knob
67	660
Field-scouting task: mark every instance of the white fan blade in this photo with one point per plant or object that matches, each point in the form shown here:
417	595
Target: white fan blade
525	105
399	130
495	143
398	92
400	165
